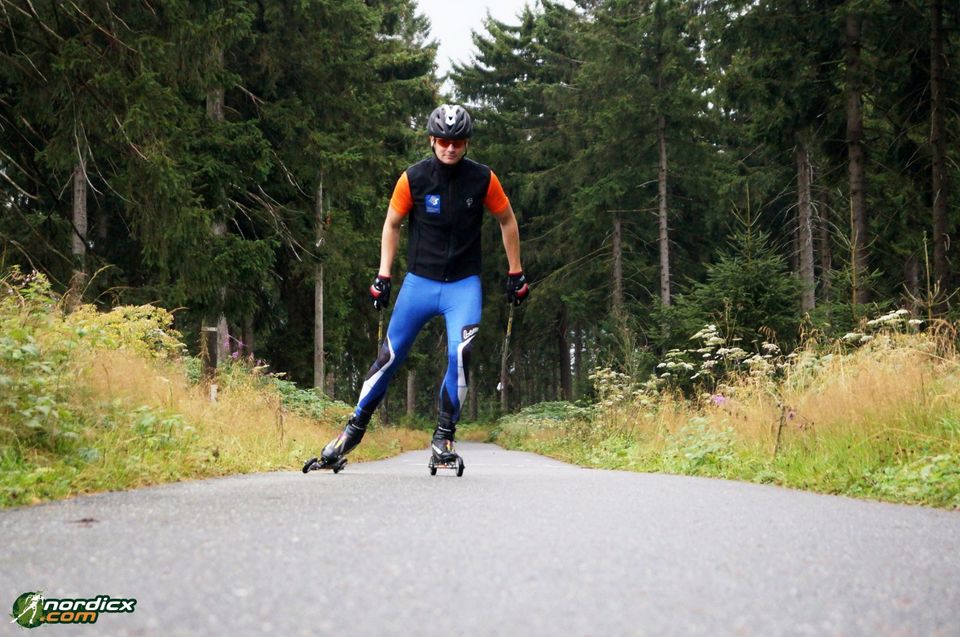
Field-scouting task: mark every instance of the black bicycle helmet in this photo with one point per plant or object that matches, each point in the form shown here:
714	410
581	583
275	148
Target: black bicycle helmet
450	121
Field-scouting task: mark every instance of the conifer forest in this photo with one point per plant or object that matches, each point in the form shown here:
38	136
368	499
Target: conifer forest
779	169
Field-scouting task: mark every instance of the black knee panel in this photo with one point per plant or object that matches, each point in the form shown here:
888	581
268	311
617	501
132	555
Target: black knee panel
382	359
467	335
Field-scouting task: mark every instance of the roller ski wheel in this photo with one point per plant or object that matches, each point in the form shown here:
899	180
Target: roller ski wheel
317	464
455	465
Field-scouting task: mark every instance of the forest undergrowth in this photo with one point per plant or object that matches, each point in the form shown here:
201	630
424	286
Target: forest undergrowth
98	401
874	414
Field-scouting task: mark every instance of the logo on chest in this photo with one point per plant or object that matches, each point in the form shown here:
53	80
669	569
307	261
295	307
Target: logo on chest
433	204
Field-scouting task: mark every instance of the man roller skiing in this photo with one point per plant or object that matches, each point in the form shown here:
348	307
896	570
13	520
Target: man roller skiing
444	197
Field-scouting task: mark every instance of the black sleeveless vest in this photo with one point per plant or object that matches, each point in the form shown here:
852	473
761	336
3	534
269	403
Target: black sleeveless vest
444	242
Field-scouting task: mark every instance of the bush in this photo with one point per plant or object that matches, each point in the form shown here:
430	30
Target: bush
34	355
698	448
749	293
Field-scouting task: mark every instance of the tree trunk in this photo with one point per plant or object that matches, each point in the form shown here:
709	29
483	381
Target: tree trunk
938	147
664	239
248	336
855	167
617	272
331	384
566	381
578	362
793	247
825	251
472	393
215	113
411	393
805	228
319	359
215	93
223	336
79	243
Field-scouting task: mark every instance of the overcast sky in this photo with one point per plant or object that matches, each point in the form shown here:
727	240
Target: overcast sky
452	21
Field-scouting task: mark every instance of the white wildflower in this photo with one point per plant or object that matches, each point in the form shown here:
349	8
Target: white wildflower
707	332
732	352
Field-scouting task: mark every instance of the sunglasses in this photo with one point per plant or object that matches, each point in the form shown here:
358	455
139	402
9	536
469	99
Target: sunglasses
446	143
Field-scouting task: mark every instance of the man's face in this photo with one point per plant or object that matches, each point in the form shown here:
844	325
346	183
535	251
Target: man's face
449	151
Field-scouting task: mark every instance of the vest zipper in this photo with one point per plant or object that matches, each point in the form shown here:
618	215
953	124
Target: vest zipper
452	209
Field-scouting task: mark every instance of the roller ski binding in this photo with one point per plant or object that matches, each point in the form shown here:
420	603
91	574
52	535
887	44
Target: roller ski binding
444	456
334	456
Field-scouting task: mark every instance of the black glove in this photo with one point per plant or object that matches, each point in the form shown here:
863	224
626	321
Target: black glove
380	292
517	288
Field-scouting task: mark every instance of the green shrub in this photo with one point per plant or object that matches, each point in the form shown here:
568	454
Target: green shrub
928	480
697	448
34	377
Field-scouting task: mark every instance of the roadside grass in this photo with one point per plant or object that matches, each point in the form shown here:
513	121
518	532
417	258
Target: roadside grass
476	431
879	419
94	401
482	430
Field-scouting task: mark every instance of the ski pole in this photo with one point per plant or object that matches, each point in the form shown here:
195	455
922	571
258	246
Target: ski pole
503	362
383	404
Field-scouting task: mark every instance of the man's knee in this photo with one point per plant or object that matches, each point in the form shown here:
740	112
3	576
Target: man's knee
383	359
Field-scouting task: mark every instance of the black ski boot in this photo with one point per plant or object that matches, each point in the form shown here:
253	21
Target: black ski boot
443	453
334	455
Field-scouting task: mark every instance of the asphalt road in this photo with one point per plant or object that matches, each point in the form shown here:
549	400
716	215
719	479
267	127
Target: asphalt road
521	545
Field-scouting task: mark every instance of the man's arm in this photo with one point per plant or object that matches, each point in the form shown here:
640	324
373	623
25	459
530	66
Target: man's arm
511	238
389	240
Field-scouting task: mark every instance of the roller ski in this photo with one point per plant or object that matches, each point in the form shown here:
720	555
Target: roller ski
444	456
334	455
315	464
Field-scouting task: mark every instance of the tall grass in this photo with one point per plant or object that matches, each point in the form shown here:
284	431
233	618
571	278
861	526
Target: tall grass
93	401
876	415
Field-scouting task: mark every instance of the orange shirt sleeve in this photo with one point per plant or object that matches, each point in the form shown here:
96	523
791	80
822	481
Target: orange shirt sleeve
496	200
402	200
